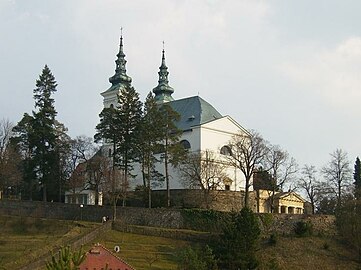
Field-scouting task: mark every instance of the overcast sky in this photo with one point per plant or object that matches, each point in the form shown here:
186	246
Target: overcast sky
289	69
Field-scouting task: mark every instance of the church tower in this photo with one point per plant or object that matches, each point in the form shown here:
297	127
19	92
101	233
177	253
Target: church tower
163	92
119	80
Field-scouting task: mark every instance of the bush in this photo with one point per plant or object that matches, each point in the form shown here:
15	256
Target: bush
303	228
20	226
197	259
239	241
267	220
273	239
326	246
204	220
273	264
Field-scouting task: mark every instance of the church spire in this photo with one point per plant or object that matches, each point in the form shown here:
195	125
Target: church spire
120	77
163	92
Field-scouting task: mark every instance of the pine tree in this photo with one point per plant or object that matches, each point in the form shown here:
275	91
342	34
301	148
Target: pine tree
107	129
129	117
45	135
239	241
173	152
37	138
357	178
149	142
119	126
22	140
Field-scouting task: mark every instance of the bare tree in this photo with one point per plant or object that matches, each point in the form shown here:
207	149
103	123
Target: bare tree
204	171
5	134
338	174
82	149
10	159
310	185
115	187
281	168
98	172
248	152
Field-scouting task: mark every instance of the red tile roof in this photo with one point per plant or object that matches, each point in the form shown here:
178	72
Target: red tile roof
98	257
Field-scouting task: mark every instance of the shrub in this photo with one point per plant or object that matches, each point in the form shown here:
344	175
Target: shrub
267	220
197	259
273	239
273	264
326	246
303	228
20	226
239	241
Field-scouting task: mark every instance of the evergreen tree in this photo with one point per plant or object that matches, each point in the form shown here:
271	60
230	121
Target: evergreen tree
149	137
107	129
37	138
66	259
357	178
239	241
119	126
45	134
22	141
173	152
63	152
129	114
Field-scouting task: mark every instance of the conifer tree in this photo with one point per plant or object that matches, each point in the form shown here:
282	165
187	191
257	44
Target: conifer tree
357	178
107	129
149	136
37	136
119	126
45	135
173	152
239	242
22	140
129	115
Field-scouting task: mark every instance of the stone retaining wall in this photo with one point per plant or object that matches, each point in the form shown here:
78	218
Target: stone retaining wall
52	210
155	217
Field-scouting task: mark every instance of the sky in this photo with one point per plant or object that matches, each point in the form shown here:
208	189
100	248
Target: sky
290	70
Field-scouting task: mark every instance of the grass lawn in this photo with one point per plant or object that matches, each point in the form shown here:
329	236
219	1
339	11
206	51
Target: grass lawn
313	252
25	239
139	250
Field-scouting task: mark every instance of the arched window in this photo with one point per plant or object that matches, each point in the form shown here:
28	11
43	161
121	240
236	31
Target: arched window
226	150
185	144
110	152
111	106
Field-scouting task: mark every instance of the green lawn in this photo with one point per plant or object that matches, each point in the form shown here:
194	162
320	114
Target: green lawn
25	239
140	250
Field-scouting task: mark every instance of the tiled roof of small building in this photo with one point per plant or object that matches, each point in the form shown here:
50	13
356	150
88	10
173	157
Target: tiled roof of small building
194	111
98	257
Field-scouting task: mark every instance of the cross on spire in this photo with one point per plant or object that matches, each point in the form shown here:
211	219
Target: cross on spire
120	77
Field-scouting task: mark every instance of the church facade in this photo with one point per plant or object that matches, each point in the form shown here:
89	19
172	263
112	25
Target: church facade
203	127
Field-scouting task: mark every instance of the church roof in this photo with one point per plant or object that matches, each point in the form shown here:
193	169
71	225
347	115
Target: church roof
194	111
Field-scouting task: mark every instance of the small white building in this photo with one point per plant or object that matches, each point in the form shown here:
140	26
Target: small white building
83	196
80	191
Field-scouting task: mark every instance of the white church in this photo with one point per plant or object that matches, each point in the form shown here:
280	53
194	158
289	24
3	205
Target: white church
203	127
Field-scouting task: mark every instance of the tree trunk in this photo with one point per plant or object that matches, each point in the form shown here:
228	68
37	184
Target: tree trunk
149	189
44	193
246	194
166	171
